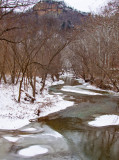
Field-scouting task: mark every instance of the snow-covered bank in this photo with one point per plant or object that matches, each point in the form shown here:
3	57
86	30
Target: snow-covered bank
86	88
77	89
14	123
33	151
105	120
14	115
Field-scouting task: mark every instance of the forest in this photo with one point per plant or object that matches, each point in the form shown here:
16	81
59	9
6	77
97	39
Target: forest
37	46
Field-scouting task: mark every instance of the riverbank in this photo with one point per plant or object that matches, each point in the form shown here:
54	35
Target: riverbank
14	115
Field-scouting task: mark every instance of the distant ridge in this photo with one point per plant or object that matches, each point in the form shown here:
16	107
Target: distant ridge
59	10
49	7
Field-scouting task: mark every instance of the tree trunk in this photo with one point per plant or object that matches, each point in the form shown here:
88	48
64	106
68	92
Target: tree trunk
4	78
43	83
19	97
34	87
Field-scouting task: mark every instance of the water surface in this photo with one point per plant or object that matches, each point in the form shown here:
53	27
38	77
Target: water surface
67	135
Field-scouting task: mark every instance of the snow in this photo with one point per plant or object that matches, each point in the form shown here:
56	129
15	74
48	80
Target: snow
84	88
61	105
105	120
29	129
68	74
55	134
77	89
8	123
11	139
88	86
14	115
33	151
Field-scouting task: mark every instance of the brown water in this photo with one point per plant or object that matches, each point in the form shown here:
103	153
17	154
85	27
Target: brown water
79	141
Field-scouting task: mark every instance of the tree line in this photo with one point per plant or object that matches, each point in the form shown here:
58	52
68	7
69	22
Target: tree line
95	53
30	47
34	46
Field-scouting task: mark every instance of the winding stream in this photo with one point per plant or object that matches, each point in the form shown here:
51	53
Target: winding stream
67	135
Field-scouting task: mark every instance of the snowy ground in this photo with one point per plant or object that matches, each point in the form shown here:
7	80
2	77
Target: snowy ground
105	120
14	115
85	88
77	89
33	151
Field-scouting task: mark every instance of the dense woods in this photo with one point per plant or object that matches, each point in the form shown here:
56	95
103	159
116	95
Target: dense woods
96	53
32	45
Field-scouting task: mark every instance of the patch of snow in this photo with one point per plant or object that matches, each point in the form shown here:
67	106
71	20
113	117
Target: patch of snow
11	139
32	151
60	105
11	124
89	86
77	89
57	93
68	74
55	134
14	115
105	120
57	82
80	80
29	129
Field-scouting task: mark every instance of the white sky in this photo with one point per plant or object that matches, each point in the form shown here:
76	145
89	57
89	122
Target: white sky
83	5
87	5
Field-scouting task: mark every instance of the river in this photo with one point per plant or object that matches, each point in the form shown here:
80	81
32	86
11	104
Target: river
67	135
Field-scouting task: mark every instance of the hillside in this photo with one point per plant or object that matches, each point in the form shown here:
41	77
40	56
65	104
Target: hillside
59	10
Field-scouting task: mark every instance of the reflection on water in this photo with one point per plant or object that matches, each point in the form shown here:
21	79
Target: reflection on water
88	142
40	141
68	136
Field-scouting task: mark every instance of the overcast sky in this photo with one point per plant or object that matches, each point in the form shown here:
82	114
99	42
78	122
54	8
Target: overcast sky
86	5
82	5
